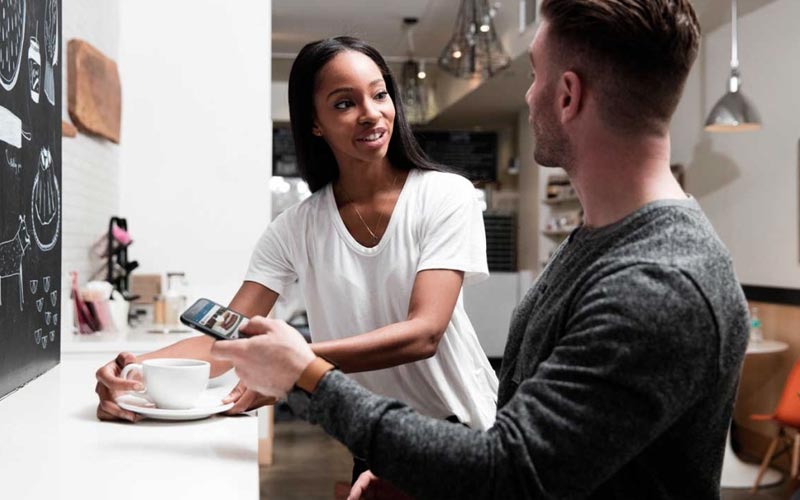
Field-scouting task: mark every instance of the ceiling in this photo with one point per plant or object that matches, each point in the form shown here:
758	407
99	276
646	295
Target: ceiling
297	22
494	103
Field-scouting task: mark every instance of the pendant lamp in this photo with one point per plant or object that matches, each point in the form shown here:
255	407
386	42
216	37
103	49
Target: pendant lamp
413	90
733	112
474	49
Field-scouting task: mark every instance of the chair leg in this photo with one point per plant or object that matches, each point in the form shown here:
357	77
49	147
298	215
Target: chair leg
766	461
795	456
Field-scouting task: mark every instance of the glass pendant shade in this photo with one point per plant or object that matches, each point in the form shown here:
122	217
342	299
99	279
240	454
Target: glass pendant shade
474	48
414	92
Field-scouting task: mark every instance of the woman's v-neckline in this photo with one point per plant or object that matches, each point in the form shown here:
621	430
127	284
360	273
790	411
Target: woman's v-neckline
345	234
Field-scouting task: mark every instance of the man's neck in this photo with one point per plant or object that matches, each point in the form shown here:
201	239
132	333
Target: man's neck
615	177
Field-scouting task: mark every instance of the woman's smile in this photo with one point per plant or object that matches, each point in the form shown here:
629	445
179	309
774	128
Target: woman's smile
373	138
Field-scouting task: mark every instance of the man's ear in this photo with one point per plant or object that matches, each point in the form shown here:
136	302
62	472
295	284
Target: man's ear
570	96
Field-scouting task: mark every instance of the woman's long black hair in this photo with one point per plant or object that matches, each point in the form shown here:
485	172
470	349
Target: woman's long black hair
315	159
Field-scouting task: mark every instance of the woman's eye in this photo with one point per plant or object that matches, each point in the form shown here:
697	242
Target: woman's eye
343	104
533	75
382	95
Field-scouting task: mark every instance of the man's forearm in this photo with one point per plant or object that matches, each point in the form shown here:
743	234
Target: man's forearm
426	457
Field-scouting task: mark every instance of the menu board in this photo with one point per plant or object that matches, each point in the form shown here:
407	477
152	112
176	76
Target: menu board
284	159
30	190
472	154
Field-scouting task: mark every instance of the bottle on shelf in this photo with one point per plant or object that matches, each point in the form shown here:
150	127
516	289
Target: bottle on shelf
756	335
174	298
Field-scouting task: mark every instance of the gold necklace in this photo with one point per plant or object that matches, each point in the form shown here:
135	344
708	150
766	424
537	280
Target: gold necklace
380	218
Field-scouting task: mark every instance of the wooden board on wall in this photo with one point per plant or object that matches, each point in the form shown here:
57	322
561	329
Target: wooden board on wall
95	101
30	190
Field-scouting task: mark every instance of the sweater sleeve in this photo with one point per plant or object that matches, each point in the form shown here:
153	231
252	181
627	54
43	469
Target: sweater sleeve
624	371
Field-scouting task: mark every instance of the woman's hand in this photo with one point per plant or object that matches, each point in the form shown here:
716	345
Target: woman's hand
368	486
110	386
245	399
271	361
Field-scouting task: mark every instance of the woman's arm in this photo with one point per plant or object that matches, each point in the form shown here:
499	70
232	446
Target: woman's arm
433	299
251	299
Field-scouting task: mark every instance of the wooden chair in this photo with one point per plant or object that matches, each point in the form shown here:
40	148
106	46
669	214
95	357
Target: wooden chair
787	415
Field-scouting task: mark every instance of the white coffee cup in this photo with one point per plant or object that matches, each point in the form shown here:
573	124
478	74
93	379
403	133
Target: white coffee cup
171	383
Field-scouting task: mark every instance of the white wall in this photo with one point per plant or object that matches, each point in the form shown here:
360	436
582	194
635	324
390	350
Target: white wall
748	183
196	136
90	166
280	101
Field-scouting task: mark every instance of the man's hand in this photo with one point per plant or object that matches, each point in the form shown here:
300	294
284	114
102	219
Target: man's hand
110	386
244	399
271	361
368	486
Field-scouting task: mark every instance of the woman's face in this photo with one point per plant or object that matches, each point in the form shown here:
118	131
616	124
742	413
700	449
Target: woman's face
353	111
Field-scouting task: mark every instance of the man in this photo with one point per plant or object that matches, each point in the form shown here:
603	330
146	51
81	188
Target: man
622	361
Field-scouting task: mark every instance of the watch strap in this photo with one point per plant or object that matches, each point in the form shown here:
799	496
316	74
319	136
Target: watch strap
311	376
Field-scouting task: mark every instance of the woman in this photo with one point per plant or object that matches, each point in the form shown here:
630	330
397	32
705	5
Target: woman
380	250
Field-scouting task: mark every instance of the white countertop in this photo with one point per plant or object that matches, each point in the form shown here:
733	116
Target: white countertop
52	446
137	340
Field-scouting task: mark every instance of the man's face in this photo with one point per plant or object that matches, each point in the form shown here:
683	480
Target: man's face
552	144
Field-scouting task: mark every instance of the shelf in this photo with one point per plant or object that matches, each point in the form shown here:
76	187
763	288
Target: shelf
560	201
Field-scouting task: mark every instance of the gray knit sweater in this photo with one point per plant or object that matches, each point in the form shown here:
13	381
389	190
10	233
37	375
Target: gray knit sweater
617	382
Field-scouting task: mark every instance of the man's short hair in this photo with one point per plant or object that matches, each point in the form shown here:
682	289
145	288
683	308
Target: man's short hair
636	54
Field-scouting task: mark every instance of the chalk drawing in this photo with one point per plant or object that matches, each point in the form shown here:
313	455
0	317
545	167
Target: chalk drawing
11	253
13	162
34	68
12	36
45	204
50	48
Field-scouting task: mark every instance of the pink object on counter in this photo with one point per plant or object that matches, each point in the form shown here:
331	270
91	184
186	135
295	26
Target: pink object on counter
121	235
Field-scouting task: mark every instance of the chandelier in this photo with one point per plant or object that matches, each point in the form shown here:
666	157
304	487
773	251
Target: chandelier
413	90
474	48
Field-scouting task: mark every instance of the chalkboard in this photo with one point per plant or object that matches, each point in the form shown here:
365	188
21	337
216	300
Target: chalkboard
284	159
472	154
31	221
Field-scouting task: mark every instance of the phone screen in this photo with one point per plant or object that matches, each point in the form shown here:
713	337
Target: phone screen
216	318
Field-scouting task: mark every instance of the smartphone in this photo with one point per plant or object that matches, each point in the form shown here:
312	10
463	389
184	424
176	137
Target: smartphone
213	319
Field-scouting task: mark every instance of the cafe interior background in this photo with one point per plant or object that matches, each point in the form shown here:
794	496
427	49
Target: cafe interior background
204	160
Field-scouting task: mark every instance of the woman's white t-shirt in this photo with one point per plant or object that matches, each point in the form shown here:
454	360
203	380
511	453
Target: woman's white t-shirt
350	289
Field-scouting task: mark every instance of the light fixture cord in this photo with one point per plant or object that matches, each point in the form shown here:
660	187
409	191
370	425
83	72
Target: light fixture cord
734	37
410	40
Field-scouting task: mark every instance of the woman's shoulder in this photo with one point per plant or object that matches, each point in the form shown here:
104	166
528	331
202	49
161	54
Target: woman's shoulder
305	209
436	181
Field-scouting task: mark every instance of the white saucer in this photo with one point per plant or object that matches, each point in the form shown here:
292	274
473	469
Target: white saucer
207	405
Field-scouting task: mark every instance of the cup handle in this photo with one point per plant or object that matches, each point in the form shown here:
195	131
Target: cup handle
124	374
